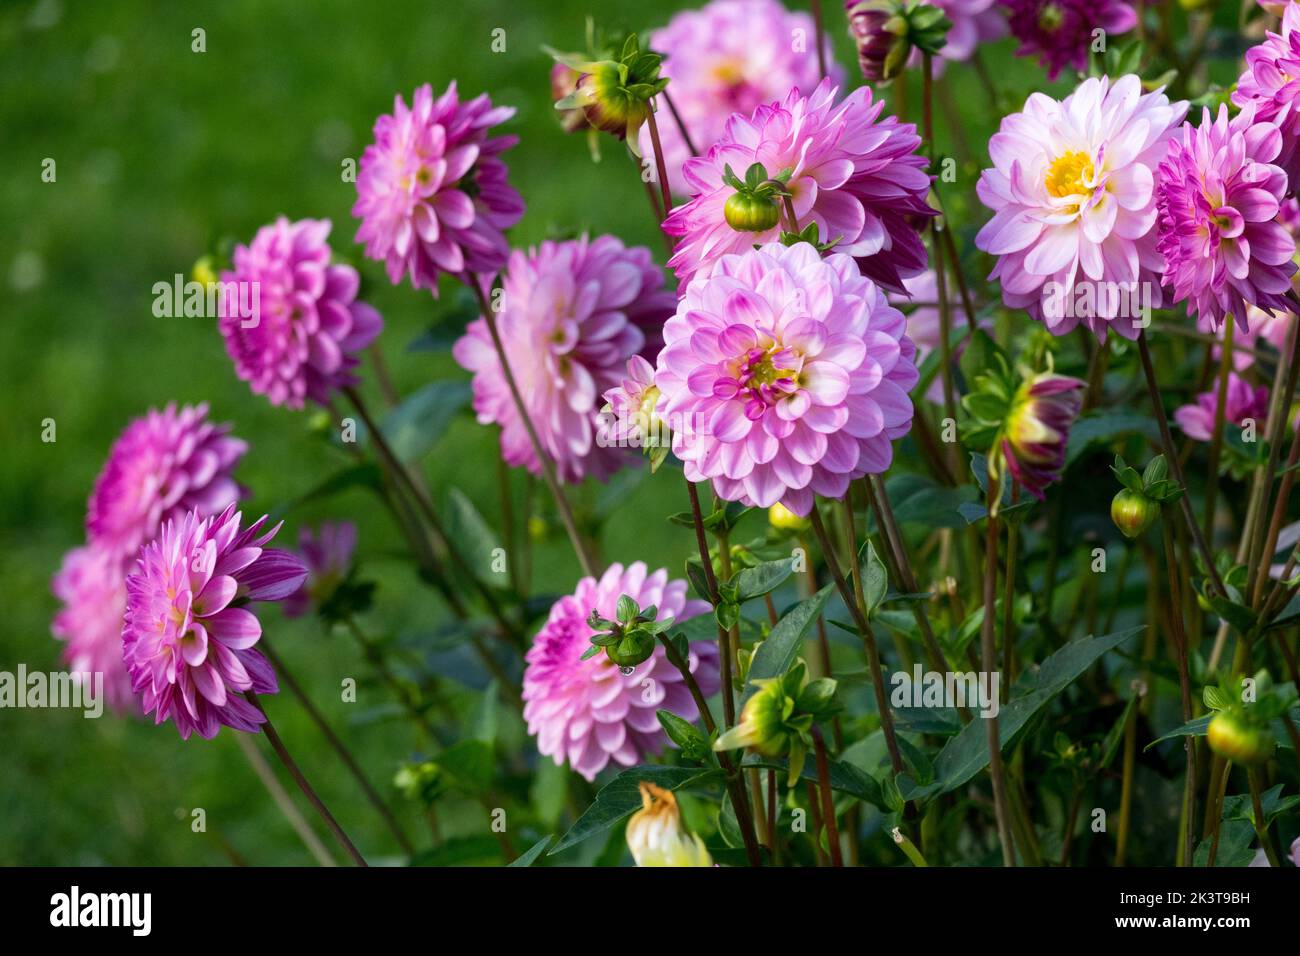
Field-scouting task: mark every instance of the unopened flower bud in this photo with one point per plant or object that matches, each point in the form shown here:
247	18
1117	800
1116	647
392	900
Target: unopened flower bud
564	81
1234	739
783	519
656	836
1038	429
1133	512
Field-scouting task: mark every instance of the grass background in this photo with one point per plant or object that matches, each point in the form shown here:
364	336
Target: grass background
161	152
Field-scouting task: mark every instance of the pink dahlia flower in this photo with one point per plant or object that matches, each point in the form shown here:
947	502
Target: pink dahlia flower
1270	83
1245	401
1219	195
857	176
572	314
327	555
1072	192
973	22
589	712
432	192
92	587
163	465
630	420
784	374
309	325
1059	32
730	56
188	641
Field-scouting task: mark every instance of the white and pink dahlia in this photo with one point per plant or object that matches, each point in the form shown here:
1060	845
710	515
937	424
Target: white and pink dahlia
433	194
1072	190
589	712
729	56
92	587
309	326
1219	197
572	314
858	176
784	374
188	639
1270	83
163	465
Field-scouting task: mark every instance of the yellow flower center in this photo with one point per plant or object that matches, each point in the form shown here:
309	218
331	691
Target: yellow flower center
1068	175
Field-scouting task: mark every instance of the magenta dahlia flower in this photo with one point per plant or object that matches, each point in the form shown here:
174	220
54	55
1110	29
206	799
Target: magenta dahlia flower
589	712
1037	432
730	56
1072	192
784	374
1218	195
1270	84
309	325
92	586
857	176
572	314
629	419
163	465
432	191
1244	401
327	555
1059	32
188	640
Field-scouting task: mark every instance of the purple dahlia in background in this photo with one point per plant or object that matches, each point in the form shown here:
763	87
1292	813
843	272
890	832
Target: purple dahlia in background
188	638
1270	83
1244	401
785	375
309	326
1218	195
1059	32
729	56
572	314
92	587
432	191
327	555
164	464
854	174
588	712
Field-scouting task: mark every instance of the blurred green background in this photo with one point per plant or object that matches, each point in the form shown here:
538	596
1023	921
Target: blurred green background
161	152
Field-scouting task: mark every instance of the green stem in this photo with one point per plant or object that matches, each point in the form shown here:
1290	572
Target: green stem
988	663
1261	822
1216	440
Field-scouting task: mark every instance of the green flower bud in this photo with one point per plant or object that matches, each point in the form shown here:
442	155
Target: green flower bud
1235	739
1133	512
747	213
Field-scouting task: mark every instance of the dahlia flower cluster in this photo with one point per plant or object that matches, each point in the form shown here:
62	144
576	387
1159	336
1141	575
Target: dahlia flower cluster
187	638
789	374
309	326
1072	190
729	56
855	174
432	190
164	465
572	314
1269	84
588	712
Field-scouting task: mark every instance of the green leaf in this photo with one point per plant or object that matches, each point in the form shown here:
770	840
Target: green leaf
844	777
468	765
364	475
482	850
875	579
918	499
1110	746
532	853
775	655
1236	846
1214	698
763	578
967	753
1105	426
621	797
414	426
474	538
1271	801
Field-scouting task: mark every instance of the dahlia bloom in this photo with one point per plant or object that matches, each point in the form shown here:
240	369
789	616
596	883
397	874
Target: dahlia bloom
1244	401
327	555
589	712
162	465
92	587
432	192
1072	194
656	835
857	176
309	325
629	419
730	56
573	313
1269	83
1037	432
1218	196
187	640
1059	32
788	374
